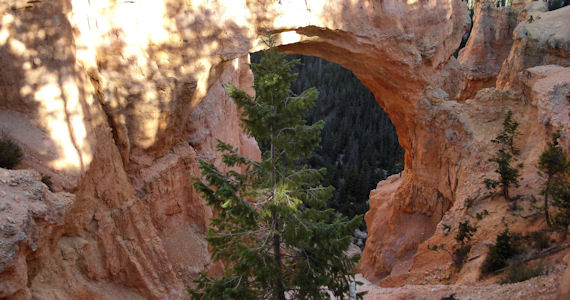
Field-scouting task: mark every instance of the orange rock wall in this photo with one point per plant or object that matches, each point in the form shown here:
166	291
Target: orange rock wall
488	46
538	97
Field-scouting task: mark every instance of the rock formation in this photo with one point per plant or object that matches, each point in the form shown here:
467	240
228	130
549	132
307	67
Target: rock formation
487	47
538	96
29	215
540	39
116	101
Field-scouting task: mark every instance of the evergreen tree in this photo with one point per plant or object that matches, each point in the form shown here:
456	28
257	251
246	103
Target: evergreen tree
554	166
271	230
505	156
499	254
465	232
561	200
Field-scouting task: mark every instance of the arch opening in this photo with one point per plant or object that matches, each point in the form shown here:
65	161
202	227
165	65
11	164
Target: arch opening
359	145
415	89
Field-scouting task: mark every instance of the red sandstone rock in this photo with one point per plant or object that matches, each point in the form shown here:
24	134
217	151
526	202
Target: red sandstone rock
541	39
29	216
488	46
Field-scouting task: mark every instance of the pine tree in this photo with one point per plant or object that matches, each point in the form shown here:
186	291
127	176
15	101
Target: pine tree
499	254
465	232
505	157
271	231
561	200
554	166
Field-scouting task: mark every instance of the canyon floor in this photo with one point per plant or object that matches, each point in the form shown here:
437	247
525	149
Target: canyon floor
542	287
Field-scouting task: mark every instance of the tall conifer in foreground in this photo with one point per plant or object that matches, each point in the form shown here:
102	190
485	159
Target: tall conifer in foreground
271	230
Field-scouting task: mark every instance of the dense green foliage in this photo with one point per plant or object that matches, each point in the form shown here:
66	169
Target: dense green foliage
460	254
538	240
561	200
504	158
465	232
271	230
10	154
561	195
500	253
554	167
522	272
359	143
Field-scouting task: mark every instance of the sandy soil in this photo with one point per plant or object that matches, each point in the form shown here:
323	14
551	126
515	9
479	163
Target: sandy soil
538	288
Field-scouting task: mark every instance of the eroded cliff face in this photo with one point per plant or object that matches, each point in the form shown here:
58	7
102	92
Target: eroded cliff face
116	101
29	215
538	95
136	227
487	47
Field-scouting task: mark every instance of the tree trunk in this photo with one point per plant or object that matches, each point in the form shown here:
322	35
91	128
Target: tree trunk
508	197
546	215
278	280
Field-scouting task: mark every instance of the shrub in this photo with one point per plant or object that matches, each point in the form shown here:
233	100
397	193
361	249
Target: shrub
47	181
482	214
10	154
499	254
561	197
522	272
538	239
436	247
460	255
465	232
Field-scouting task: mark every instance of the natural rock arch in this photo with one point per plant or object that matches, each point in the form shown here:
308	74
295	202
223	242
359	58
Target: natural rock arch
128	77
411	82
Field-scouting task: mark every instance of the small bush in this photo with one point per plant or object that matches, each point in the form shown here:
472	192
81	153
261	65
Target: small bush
436	247
47	181
482	214
460	256
465	232
561	197
450	297
522	272
10	154
499	254
539	240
